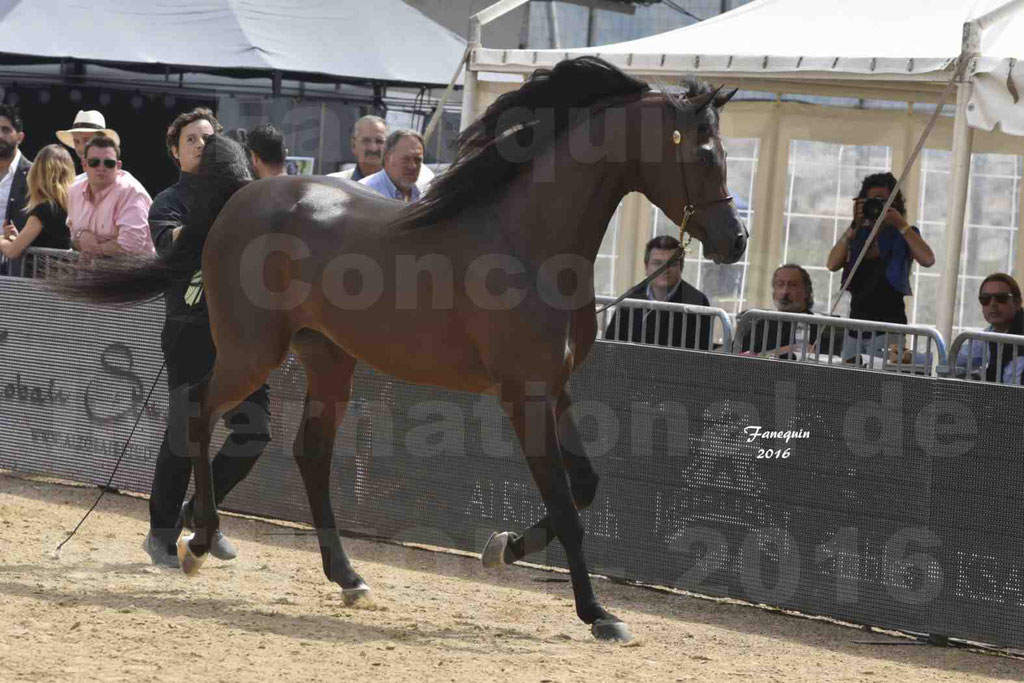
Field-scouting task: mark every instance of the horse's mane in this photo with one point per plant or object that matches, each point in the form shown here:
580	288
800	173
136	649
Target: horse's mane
481	169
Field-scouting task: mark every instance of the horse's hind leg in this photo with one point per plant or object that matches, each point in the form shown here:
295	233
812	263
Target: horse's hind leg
235	375
507	547
329	384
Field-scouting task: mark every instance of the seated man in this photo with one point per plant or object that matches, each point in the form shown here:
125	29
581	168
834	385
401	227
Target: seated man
792	292
403	159
652	327
1000	300
108	210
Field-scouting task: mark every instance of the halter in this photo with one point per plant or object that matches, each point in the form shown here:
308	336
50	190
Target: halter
688	211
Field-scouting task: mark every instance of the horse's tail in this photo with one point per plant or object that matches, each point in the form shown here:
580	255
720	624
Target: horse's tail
223	170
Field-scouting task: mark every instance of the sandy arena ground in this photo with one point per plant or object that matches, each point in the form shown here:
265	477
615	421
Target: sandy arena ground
102	613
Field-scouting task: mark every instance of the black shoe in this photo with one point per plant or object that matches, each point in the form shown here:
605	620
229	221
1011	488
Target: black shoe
161	555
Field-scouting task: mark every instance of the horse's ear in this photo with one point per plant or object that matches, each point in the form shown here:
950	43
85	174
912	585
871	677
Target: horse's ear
701	101
722	98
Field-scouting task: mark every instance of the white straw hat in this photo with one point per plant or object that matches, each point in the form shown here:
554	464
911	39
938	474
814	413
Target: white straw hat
87	122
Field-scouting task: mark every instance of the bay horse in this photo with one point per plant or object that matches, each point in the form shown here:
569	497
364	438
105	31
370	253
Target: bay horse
486	285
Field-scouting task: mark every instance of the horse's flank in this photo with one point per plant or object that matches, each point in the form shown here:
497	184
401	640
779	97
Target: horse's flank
444	337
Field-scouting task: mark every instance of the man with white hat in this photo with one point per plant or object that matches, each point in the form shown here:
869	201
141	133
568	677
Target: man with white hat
87	124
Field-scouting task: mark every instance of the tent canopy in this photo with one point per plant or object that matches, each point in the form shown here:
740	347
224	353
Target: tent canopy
904	50
311	39
908	48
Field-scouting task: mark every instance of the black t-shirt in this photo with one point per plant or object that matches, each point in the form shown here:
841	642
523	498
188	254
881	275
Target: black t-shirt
873	298
55	233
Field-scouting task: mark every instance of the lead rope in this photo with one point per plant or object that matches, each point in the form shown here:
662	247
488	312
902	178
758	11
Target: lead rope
688	211
194	315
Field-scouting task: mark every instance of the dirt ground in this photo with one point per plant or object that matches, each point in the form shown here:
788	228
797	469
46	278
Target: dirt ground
101	612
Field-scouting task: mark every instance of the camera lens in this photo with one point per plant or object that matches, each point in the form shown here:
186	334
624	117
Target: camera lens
872	209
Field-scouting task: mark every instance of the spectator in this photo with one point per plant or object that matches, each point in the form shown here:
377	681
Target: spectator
369	134
367	142
14	167
86	125
13	170
46	214
652	327
792	292
189	353
266	151
1000	300
403	159
883	277
108	209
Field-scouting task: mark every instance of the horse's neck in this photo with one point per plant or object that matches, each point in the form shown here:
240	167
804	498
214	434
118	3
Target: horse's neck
565	210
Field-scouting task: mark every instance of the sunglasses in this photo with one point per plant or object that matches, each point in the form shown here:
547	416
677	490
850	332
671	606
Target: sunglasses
109	163
1001	297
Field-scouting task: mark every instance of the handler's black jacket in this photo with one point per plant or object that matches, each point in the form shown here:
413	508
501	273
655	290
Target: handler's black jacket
169	211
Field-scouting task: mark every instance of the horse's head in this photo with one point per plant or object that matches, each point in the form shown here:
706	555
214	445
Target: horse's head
682	168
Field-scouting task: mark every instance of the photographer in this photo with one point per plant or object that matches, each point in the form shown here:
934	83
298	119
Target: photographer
883	277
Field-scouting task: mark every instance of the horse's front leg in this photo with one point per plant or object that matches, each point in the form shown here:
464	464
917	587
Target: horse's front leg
532	411
506	547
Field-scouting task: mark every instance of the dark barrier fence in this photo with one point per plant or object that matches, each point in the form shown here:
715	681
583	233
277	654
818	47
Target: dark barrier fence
880	499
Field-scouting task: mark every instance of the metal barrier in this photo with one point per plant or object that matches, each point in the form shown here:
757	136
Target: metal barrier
971	361
41	263
812	338
665	330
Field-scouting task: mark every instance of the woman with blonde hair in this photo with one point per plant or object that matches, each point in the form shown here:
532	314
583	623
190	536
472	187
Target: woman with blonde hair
48	181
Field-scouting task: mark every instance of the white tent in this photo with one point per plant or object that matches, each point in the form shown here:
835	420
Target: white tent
318	39
902	50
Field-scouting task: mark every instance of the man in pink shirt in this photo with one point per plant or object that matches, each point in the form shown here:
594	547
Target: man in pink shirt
108	210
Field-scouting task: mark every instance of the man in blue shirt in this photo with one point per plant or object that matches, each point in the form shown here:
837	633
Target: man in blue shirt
403	159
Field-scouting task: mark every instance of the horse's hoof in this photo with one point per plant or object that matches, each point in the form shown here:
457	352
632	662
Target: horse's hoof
190	562
493	555
360	597
611	630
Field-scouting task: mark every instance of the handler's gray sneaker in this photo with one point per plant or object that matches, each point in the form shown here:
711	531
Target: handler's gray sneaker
221	548
162	556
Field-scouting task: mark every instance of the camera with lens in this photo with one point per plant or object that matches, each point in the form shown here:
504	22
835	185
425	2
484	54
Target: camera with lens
872	209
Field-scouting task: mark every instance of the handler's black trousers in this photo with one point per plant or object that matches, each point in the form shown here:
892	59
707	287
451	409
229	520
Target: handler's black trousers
189	351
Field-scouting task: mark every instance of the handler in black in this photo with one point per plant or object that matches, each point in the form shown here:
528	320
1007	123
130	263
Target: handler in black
189	352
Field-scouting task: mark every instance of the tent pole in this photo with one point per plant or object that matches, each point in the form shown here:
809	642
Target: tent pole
956	209
476	24
963	138
469	82
996	15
